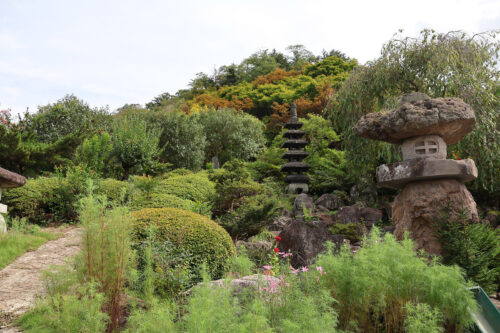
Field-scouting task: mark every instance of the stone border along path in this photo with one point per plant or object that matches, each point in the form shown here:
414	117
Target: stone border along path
21	281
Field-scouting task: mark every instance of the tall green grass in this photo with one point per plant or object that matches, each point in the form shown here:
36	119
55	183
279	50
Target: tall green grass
68	313
106	257
19	240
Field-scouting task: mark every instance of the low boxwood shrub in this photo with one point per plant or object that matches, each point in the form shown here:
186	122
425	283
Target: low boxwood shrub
195	187
112	189
159	200
204	239
32	200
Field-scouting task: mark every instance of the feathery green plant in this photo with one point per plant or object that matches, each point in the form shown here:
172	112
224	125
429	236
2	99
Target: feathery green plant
373	286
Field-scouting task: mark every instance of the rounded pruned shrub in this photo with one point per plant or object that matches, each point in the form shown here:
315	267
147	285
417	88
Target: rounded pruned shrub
204	239
33	200
160	200
195	187
112	189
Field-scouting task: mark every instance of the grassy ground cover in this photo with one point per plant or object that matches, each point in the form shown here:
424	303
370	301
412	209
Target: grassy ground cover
14	243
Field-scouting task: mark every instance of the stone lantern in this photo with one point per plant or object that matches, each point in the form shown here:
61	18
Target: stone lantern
297	181
8	179
424	127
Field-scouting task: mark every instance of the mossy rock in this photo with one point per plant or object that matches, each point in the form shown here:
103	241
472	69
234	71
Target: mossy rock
204	239
351	231
112	189
160	200
32	200
195	187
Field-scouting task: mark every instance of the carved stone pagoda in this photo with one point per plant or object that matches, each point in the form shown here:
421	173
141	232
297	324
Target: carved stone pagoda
297	181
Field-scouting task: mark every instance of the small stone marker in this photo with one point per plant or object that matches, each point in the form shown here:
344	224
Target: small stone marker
8	179
424	127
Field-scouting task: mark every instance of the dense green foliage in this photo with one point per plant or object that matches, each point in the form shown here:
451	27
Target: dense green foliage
373	286
422	318
160	200
327	165
69	116
135	144
231	134
115	191
95	152
182	139
195	187
241	205
474	247
205	240
33	200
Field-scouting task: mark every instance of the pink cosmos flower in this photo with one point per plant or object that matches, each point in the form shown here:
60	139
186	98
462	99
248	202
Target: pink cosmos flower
267	267
304	269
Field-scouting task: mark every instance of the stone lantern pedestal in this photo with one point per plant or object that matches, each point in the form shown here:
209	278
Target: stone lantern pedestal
8	179
428	181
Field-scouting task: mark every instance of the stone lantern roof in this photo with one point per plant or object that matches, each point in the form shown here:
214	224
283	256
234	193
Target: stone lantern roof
450	118
10	179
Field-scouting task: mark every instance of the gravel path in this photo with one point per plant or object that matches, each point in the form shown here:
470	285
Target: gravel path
21	281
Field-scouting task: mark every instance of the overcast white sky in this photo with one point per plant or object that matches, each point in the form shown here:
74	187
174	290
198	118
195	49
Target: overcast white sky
112	52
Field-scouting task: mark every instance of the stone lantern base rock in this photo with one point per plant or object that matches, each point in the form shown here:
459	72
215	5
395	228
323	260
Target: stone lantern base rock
420	204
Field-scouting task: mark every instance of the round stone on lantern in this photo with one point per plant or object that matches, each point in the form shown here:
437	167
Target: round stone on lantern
426	146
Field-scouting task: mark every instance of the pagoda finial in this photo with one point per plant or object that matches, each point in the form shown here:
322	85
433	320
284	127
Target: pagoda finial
293	113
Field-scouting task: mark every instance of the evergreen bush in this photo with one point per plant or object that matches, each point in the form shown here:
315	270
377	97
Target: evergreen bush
32	200
474	247
160	200
204	239
113	190
194	187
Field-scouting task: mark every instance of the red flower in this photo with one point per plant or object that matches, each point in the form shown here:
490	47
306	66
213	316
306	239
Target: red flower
276	250
278	238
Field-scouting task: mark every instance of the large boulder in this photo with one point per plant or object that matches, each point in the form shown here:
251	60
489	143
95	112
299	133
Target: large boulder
307	240
252	282
492	218
370	216
329	201
420	205
257	251
450	118
348	214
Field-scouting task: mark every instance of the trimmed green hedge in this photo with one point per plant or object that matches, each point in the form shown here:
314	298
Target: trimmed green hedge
194	187
159	200
203	238
33	200
112	189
